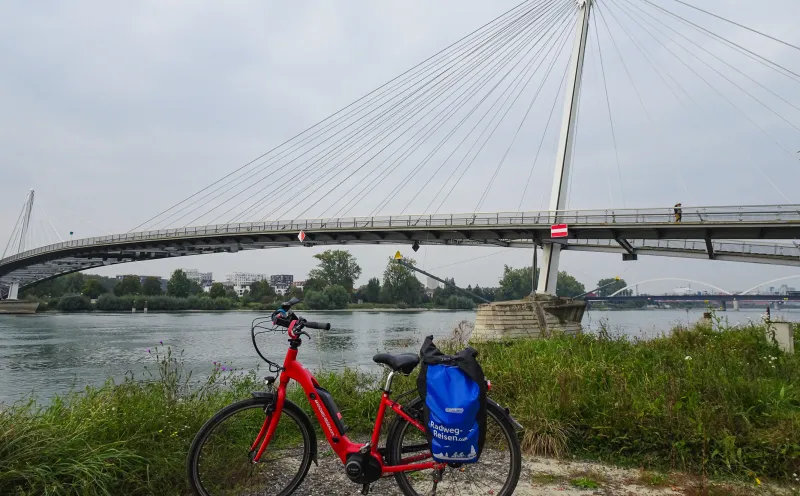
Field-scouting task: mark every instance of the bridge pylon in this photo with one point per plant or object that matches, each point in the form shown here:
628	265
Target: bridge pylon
558	197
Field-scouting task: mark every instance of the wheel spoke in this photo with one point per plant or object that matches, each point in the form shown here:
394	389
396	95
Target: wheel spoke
496	472
222	455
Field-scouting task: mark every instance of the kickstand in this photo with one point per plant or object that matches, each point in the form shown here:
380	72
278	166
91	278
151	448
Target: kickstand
365	489
437	477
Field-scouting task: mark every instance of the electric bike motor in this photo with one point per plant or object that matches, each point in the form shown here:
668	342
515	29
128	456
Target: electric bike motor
362	468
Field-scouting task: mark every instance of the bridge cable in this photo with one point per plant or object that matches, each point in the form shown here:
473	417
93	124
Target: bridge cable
561	89
471	162
738	24
337	185
435	74
519	128
374	139
14	234
719	73
517	80
608	107
441	166
745	51
361	147
446	49
594	34
466	72
633	84
651	59
716	90
757	166
430	155
499	66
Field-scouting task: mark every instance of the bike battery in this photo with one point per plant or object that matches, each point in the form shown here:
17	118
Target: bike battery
333	410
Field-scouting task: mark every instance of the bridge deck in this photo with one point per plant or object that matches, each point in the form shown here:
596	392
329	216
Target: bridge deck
628	231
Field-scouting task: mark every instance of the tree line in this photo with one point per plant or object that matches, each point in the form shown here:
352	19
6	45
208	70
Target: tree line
330	285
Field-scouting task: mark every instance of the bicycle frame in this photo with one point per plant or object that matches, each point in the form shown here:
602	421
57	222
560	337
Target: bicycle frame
342	446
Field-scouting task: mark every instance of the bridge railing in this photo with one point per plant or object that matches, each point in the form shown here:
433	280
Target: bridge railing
690	215
738	247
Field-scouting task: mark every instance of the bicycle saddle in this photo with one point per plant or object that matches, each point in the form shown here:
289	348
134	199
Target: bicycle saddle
404	363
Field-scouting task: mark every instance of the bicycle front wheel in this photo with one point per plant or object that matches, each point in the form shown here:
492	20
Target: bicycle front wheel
220	457
496	473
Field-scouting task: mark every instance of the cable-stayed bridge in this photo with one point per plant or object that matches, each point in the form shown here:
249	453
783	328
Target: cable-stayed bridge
471	124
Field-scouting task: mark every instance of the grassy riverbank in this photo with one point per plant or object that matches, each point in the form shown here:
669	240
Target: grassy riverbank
718	403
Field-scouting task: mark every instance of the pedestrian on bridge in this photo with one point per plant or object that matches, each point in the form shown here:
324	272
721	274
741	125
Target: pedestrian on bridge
678	212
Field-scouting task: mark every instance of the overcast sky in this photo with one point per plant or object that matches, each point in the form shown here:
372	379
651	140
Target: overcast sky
114	111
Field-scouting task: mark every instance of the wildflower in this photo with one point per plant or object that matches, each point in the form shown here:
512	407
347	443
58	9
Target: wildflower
688	357
758	481
148	350
161	342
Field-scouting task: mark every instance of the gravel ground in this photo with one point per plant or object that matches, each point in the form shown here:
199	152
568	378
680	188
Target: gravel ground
547	477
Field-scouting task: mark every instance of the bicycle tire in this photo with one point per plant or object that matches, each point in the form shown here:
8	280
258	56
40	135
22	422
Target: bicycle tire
290	412
394	448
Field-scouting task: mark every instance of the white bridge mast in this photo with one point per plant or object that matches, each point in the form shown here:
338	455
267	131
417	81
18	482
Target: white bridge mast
13	291
548	276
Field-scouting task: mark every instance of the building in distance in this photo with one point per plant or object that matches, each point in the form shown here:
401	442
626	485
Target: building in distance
281	282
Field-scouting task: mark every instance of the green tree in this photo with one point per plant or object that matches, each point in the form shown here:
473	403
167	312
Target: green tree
73	283
316	300
231	295
515	283
217	290
610	285
336	268
129	285
568	286
459	303
371	292
337	297
74	303
443	293
92	289
262	292
400	285
179	285
151	286
295	292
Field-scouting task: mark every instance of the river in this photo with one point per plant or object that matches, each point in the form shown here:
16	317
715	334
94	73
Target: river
45	354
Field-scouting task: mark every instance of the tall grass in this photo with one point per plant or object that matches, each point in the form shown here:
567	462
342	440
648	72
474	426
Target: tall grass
706	401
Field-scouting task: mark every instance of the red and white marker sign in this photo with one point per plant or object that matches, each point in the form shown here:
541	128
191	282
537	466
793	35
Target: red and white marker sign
301	236
559	231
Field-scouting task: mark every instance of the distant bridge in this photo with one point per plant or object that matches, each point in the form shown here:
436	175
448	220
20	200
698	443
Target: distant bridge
701	298
703	233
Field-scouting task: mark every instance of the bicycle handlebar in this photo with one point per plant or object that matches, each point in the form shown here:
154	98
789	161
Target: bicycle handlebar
318	325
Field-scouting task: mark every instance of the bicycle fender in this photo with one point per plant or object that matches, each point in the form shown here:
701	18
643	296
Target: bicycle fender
517	426
303	418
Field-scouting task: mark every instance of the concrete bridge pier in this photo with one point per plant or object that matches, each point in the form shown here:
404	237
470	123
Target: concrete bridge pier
13	291
535	316
735	305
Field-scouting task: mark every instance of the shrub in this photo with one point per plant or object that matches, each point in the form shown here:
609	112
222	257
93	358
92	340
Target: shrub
74	303
460	302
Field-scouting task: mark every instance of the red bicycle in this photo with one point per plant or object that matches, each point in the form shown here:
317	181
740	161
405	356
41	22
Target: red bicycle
264	445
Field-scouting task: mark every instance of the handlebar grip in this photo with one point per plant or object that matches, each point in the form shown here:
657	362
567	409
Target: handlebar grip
317	325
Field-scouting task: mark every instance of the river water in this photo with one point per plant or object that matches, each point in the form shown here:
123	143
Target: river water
45	354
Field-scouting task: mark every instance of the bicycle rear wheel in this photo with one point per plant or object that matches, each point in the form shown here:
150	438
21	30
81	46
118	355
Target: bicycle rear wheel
219	462
496	473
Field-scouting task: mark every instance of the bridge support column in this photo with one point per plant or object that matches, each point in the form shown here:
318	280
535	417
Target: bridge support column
558	195
735	305
13	291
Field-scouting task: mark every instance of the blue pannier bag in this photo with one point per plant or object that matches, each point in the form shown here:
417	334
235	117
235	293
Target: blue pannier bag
453	390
